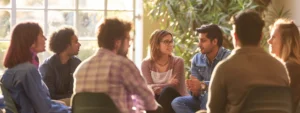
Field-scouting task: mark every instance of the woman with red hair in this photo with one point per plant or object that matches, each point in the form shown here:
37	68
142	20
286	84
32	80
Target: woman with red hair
22	79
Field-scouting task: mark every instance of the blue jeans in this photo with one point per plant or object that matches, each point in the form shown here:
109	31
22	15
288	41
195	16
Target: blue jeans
189	104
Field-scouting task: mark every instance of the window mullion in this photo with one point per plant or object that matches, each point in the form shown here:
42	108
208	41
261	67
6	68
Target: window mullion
46	26
76	14
13	13
138	20
105	8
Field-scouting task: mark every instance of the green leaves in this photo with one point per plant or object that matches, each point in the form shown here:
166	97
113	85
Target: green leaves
184	16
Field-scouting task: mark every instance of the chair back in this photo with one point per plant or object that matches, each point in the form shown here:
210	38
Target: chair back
8	101
268	99
89	102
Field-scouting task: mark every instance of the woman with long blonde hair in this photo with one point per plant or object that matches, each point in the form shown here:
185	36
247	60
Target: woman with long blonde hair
163	71
285	44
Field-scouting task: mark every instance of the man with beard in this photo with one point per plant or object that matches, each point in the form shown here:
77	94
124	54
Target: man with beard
57	70
110	72
203	63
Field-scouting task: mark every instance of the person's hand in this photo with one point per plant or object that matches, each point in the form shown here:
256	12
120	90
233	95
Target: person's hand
157	90
174	82
195	85
188	83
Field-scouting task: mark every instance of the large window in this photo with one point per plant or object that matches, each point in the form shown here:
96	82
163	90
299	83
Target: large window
83	15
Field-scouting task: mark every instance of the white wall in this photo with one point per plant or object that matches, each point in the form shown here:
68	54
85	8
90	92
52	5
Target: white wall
294	6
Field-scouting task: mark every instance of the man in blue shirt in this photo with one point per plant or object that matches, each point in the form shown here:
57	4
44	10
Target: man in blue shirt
203	63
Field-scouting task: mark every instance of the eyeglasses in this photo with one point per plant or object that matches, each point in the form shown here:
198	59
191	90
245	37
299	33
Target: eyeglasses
167	42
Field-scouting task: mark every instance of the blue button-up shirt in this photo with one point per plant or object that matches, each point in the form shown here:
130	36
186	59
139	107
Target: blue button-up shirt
202	69
28	91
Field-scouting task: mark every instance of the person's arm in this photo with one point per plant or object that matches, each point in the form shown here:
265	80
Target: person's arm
38	93
194	69
146	71
49	77
217	91
291	69
194	74
136	85
179	75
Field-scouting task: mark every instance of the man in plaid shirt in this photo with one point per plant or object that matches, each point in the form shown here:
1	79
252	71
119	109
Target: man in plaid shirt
109	71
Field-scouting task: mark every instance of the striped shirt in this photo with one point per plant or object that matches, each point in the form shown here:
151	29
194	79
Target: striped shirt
116	76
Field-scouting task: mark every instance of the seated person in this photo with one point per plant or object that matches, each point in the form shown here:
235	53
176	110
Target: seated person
57	70
285	44
110	71
248	66
163	71
22	79
212	52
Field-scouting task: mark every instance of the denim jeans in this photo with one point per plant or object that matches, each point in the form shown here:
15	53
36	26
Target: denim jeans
189	104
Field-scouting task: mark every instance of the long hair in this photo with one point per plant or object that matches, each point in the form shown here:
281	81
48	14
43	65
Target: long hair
155	39
22	38
290	38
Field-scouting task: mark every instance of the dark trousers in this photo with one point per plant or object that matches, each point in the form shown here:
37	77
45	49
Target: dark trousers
167	95
158	110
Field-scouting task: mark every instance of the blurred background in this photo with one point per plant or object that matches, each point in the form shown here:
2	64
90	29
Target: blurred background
181	17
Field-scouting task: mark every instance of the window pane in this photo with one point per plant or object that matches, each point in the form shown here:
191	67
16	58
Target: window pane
87	49
4	24
30	3
33	16
91	4
120	14
61	4
87	23
130	50
58	19
3	49
120	4
5	3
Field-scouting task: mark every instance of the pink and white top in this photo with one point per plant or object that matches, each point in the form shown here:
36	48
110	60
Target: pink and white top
160	79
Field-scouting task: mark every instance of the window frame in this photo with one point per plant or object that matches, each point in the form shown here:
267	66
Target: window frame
136	55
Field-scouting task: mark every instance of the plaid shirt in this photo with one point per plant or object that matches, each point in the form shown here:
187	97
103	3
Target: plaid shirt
115	75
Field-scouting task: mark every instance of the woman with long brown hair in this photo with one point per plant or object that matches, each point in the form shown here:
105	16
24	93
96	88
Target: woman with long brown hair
163	71
22	79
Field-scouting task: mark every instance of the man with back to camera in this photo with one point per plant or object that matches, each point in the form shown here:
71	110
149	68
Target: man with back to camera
111	72
249	65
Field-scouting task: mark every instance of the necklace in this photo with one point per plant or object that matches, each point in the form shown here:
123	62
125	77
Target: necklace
163	64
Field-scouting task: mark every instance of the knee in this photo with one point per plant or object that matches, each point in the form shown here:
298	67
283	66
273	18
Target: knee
169	90
176	102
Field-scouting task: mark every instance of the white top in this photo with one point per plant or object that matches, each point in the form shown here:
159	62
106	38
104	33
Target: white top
161	77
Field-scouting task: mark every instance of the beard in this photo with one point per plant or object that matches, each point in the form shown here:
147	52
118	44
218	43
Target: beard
206	50
122	50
